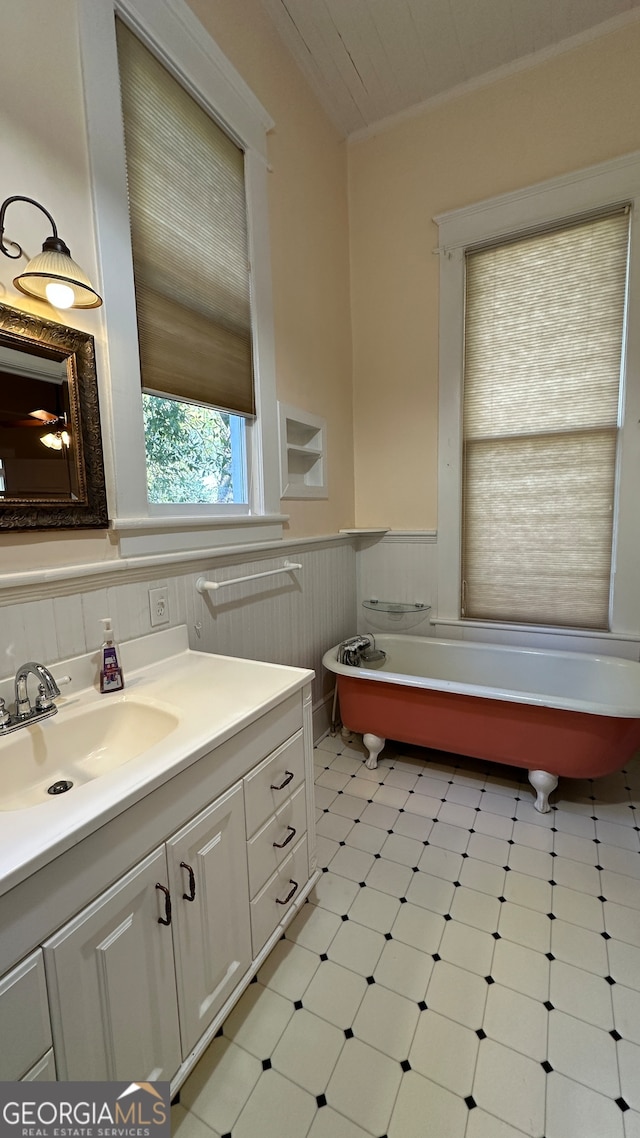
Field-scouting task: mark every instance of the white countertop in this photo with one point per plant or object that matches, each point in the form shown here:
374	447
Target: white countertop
213	697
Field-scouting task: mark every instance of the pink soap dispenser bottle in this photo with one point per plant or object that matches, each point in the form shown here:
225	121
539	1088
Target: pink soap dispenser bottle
111	677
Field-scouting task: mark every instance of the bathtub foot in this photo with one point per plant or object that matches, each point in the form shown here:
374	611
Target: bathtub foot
346	734
544	784
374	745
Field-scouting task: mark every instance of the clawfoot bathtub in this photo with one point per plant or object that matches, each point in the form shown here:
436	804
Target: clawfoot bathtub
557	714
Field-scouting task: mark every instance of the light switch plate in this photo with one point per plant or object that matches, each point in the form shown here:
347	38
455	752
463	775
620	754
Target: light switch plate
159	606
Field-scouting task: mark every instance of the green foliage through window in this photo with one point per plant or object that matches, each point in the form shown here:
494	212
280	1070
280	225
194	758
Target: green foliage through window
190	453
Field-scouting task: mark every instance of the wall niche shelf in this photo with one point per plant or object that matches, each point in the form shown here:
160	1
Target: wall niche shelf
395	606
303	453
365	532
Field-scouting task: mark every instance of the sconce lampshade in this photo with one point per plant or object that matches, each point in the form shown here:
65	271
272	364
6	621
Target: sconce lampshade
52	275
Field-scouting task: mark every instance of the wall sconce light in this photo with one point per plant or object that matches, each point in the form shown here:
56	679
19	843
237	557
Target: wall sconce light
52	275
56	441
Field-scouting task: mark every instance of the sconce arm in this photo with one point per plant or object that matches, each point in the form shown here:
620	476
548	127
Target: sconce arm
52	243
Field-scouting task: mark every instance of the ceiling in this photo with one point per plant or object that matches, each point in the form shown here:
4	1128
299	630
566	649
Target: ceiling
368	59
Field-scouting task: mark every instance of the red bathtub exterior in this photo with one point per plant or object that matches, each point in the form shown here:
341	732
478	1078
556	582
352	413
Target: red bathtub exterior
572	744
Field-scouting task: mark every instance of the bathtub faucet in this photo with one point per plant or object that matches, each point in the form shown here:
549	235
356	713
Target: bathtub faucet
359	650
350	651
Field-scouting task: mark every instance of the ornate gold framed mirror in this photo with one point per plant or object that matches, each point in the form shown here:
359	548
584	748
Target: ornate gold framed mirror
51	466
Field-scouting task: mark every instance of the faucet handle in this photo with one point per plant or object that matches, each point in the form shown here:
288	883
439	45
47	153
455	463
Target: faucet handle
44	701
5	718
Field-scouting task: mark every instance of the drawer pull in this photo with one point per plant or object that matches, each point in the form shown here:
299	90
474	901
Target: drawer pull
285	781
289	837
191	895
166	920
289	894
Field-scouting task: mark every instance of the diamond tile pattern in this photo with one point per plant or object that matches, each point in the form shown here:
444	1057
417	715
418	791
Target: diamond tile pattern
487	947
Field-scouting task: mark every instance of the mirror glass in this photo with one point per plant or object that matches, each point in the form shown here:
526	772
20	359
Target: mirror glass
51	470
37	449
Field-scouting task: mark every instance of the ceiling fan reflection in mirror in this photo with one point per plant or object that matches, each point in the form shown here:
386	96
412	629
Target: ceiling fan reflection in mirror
54	440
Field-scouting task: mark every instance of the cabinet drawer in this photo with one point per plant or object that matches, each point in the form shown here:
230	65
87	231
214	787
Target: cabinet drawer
24	1018
277	896
273	781
286	827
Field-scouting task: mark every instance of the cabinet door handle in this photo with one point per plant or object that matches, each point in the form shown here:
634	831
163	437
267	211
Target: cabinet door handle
285	781
191	895
166	920
289	894
290	835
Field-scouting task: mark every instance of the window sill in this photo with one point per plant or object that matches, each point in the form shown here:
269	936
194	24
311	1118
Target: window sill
179	532
528	632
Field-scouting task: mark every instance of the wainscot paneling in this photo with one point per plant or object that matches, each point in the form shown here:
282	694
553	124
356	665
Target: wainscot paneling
289	619
398	567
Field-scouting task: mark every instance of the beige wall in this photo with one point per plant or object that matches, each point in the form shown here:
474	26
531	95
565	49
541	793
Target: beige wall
572	111
43	154
579	108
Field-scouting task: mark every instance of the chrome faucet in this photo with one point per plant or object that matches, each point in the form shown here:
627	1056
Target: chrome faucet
47	689
25	713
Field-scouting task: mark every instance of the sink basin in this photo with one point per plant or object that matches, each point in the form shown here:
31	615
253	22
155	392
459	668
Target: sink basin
76	746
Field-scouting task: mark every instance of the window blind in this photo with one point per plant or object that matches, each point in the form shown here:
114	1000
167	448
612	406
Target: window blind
189	239
544	325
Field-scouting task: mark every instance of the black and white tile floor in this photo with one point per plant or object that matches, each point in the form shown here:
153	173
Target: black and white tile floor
466	967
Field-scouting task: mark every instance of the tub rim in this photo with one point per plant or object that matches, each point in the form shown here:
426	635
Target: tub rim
540	699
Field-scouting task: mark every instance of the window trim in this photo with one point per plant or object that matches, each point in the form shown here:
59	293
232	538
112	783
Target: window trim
500	218
175	35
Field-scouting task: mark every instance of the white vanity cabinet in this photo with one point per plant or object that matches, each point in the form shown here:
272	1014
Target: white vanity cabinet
154	959
25	1030
150	927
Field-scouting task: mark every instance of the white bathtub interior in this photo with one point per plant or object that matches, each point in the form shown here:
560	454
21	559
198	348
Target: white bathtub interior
603	684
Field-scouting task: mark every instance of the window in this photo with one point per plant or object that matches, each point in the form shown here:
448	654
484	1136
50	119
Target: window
190	259
539	403
194	453
544	318
188	58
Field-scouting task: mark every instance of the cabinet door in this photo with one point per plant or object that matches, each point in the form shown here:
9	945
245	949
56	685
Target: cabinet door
112	986
212	936
44	1071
